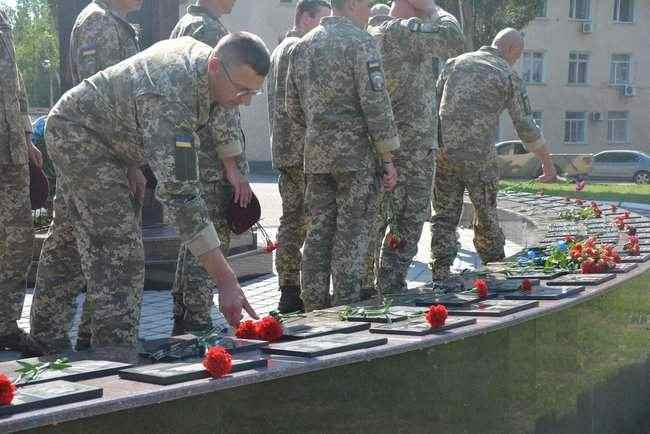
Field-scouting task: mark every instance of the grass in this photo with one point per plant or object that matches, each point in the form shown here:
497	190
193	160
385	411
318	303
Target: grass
639	193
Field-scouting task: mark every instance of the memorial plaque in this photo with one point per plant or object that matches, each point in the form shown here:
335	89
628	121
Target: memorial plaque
311	330
493	308
623	268
154	348
79	370
451	299
39	396
324	345
419	327
581	279
537	275
172	373
395	313
544	293
643	257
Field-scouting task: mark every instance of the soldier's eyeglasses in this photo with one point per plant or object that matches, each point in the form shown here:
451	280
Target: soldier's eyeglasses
241	93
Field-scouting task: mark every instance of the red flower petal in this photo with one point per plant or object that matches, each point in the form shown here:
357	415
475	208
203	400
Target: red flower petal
526	285
481	287
7	390
269	329
246	330
436	315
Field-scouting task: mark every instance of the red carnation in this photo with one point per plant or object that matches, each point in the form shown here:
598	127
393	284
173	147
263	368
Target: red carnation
246	330
436	316
481	287
270	246
526	285
217	361
269	329
7	390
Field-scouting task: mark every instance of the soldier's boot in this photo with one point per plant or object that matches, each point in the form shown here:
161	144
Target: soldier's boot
290	300
367	293
15	339
444	281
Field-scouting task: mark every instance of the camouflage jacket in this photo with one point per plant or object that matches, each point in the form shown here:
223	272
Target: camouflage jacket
149	108
200	24
13	102
473	90
412	51
287	137
100	38
336	90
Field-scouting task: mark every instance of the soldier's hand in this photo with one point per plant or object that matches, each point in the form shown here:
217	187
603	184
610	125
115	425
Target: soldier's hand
389	180
240	184
35	156
231	302
137	183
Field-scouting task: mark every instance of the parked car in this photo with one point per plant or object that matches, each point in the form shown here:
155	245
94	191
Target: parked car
627	165
516	162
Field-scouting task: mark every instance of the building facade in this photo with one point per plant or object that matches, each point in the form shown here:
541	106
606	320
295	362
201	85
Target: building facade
587	67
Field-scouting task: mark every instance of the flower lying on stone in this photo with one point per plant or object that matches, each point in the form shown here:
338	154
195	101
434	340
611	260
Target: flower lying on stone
7	390
436	316
632	246
481	287
217	361
268	328
526	285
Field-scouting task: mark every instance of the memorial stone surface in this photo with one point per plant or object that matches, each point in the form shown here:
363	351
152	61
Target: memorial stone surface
40	396
419	327
324	345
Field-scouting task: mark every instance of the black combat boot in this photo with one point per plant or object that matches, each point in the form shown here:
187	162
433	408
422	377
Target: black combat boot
290	300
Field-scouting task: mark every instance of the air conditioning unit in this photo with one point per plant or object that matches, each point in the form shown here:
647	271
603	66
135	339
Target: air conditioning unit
596	116
586	27
629	91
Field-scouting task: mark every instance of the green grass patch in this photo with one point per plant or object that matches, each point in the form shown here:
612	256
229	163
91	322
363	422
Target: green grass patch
639	193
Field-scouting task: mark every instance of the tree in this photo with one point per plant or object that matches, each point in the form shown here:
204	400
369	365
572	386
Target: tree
37	49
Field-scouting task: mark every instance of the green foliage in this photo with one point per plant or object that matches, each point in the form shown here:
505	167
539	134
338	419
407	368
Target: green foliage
36	41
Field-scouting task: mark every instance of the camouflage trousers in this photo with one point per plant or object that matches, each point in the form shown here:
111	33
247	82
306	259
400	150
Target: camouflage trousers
192	291
403	212
293	226
481	179
192	288
337	237
16	238
95	237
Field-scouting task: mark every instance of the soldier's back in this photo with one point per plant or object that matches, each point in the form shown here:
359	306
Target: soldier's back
200	24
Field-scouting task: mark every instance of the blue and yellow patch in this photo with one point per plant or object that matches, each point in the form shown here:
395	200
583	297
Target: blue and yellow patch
184	142
88	50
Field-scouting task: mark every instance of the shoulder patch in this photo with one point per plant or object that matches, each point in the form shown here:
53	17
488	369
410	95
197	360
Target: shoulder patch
418	26
88	50
376	75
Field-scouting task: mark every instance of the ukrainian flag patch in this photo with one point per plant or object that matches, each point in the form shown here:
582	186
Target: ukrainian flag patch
184	142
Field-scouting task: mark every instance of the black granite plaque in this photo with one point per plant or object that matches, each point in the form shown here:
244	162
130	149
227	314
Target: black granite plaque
419	327
311	330
39	396
581	279
324	345
623	268
153	348
544	293
79	370
452	299
395	313
173	373
643	257
493	308
536	275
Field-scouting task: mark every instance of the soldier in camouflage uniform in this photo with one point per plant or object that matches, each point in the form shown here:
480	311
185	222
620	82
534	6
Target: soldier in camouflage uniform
16	233
336	90
192	289
147	108
287	142
101	37
413	40
473	90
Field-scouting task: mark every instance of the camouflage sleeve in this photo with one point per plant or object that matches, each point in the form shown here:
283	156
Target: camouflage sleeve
170	148
11	122
209	33
23	103
521	115
440	39
96	46
292	95
225	132
373	96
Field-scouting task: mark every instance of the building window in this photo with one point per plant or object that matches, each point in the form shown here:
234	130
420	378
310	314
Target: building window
618	127
575	127
623	11
578	67
533	67
540	8
619	71
580	9
539	120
